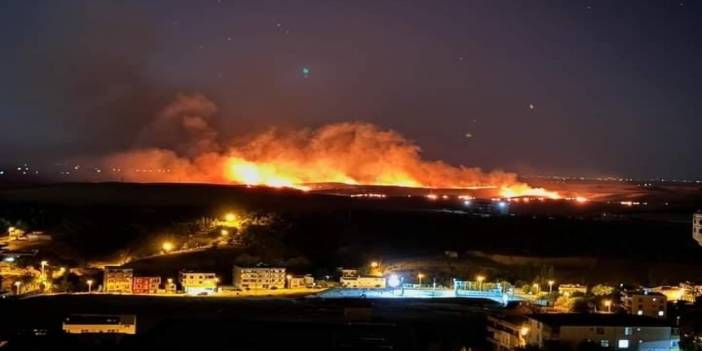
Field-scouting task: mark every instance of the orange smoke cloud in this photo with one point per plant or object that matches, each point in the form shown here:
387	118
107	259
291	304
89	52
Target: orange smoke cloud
181	145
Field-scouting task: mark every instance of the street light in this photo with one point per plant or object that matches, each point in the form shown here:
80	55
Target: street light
167	246
230	217
224	232
550	286
608	304
90	286
420	276
480	280
374	264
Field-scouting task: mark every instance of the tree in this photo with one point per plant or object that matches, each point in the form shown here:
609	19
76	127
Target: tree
602	290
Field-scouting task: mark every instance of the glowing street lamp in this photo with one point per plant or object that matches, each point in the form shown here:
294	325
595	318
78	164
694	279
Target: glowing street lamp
608	304
420	276
230	217
224	232
480	279
167	246
90	285
550	286
374	264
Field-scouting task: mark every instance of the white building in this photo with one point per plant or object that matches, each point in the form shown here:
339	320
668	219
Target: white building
697	227
259	277
568	331
363	282
645	303
198	283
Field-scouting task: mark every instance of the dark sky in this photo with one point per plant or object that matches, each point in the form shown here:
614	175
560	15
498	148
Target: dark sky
615	85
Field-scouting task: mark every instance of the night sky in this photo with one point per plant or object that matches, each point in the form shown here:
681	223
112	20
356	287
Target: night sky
543	87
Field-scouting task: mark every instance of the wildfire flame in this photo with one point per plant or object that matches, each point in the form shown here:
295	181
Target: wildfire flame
348	153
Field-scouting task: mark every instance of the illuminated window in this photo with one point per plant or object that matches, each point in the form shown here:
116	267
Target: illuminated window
604	343
660	313
623	344
627	331
640	312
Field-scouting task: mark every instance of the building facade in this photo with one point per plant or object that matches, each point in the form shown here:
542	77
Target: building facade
259	277
118	280
363	282
645	303
507	332
300	281
146	285
569	331
198	283
697	227
100	324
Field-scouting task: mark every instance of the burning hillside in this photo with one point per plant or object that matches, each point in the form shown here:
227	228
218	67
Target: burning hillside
182	145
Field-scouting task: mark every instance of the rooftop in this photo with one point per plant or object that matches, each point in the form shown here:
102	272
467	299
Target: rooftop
514	319
597	319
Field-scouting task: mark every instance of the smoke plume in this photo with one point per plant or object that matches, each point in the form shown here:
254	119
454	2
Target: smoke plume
182	144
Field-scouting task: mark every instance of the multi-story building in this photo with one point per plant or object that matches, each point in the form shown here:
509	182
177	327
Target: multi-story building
100	324
697	227
198	283
118	280
645	303
259	277
571	331
570	289
363	282
507	332
146	285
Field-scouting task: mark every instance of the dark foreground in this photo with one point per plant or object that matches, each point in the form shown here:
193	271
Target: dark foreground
180	323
